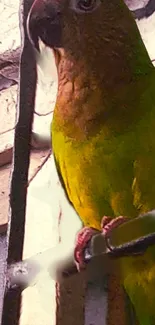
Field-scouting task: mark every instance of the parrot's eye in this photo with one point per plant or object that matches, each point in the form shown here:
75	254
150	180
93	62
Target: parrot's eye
86	4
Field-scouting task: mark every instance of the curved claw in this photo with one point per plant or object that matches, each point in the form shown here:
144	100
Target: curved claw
82	240
108	224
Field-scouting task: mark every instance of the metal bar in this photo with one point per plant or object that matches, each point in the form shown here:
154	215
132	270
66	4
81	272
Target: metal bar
11	244
26	99
96	302
96	298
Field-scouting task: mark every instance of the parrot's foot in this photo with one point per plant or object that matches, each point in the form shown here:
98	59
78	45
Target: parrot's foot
86	233
83	237
108	224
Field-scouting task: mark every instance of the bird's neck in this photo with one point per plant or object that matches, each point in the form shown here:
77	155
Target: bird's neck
84	111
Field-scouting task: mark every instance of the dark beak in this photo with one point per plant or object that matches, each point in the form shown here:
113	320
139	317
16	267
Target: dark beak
45	22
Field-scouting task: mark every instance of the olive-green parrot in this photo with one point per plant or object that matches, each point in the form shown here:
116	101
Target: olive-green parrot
104	121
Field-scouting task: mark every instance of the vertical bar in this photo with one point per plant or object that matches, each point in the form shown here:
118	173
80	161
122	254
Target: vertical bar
13	244
96	297
96	302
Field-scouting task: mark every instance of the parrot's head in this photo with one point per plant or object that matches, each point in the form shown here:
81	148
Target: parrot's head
98	51
76	26
97	36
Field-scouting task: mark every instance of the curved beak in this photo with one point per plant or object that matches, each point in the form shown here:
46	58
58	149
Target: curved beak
45	22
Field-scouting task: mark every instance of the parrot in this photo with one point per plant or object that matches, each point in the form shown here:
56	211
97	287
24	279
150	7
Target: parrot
102	127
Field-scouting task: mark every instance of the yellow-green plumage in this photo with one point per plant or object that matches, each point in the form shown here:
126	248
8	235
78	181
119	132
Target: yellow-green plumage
103	130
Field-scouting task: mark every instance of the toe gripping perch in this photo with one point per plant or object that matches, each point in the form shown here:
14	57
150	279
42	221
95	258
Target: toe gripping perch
129	239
